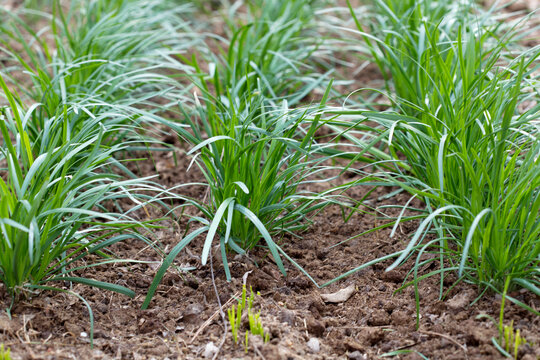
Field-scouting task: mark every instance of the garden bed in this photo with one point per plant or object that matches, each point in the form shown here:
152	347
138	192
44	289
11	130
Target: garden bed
375	320
380	316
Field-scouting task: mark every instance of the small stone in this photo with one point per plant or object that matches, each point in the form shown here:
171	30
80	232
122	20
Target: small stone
210	350
98	354
357	355
84	334
314	345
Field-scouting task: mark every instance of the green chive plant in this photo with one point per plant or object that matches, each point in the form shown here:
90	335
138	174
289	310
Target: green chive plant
257	154
53	202
257	177
60	141
397	36
268	42
54	205
465	123
103	52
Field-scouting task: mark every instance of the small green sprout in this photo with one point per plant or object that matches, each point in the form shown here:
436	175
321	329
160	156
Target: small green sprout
5	353
255	323
255	326
512	339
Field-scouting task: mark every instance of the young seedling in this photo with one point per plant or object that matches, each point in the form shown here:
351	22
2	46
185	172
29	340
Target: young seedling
5	353
245	308
256	327
512	339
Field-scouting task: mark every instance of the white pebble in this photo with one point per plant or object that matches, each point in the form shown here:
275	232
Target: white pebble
210	350
313	345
